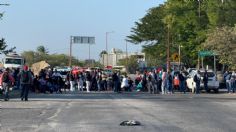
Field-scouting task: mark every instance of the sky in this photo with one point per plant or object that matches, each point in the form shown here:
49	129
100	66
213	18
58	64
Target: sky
29	23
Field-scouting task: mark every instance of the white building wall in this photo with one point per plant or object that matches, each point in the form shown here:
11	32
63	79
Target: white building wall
113	58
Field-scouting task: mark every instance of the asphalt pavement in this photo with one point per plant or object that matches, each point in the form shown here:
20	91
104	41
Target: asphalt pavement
103	112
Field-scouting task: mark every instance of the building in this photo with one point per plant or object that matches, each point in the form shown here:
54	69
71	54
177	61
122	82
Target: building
115	55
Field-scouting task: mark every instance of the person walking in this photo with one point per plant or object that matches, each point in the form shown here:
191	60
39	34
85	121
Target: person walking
6	81
26	80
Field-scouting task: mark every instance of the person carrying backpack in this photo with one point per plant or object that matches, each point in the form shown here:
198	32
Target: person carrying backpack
6	81
26	80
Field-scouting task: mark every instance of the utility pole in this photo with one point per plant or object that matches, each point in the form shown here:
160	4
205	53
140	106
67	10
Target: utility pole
168	50
199	15
126	54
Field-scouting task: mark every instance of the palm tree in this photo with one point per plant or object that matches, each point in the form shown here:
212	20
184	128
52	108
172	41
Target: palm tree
42	50
3	47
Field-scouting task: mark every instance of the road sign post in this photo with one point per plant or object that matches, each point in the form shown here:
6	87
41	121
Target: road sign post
207	53
80	40
175	57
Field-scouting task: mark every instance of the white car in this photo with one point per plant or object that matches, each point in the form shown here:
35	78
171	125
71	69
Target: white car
213	83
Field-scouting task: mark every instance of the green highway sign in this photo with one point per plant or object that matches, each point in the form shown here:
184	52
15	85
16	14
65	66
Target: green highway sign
206	53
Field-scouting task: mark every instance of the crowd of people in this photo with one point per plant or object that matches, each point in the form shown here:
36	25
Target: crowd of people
21	79
161	82
52	81
230	81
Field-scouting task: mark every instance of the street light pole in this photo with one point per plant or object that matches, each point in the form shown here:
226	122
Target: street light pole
70	59
168	50
106	48
126	54
89	57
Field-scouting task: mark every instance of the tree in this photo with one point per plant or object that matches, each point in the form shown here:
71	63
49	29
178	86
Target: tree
29	57
42	50
3	44
41	54
3	47
223	42
189	28
131	64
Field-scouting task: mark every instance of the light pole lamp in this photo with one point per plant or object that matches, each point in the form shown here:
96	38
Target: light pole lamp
107	33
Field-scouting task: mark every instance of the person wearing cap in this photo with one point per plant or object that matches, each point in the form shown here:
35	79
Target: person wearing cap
6	81
26	80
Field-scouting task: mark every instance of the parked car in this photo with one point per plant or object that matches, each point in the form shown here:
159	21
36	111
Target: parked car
189	70
213	83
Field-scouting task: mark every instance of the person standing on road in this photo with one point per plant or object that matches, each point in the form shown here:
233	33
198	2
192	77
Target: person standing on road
232	81
124	83
71	80
159	80
169	83
144	81
80	81
156	77
182	83
26	80
6	81
115	79
205	80
197	80
150	84
88	78
164	82
228	83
